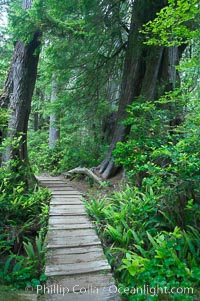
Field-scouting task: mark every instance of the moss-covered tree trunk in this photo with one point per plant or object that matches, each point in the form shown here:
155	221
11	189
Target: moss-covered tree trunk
17	98
148	72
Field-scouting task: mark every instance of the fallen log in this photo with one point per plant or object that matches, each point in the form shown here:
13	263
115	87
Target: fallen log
85	171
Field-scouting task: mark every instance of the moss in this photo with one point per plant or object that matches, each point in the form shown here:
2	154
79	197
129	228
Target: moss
10	294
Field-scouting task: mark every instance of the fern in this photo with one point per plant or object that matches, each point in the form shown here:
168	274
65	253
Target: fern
7	264
18	266
29	250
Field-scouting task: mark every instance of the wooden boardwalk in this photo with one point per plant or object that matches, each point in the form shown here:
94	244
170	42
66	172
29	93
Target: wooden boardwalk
76	266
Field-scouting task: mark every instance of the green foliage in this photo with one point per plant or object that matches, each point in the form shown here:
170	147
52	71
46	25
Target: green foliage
14	272
141	250
153	229
16	202
36	253
23	23
76	51
5	47
171	261
20	271
163	156
175	24
3	118
69	152
126	210
22	213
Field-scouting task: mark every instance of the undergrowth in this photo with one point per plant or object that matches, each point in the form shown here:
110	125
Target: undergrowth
23	227
145	246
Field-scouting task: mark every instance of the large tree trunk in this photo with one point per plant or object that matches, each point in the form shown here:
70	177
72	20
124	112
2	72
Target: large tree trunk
17	98
54	131
145	68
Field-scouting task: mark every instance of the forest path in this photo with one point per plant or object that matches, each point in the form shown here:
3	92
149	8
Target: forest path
76	267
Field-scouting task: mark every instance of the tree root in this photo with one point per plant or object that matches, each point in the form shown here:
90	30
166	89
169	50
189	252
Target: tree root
85	171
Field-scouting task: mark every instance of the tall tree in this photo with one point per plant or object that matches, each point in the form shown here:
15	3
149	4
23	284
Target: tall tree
54	131
17	96
148	72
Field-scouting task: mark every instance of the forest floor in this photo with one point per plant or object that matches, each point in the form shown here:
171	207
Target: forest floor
87	187
10	294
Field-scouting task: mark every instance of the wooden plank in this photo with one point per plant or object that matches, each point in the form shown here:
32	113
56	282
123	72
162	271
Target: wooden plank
79	250
70	227
43	178
67	196
71	210
66	202
65	209
58	213
58	189
69	220
80	268
57	196
101	294
68	206
50	180
74	258
64	197
64	189
92	280
69	241
66	233
58	184
53	180
61	193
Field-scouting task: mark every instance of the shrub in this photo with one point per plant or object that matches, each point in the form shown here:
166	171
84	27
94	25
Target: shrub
144	245
22	214
164	157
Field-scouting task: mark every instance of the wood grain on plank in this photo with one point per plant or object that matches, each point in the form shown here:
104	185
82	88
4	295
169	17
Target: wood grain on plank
59	242
74	258
68	193
75	282
70	227
73	233
69	220
79	250
77	268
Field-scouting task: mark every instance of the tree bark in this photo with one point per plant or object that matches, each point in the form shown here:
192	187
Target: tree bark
36	121
54	131
145	70
85	171
17	98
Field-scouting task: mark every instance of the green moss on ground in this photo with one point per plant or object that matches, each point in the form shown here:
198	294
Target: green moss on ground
10	294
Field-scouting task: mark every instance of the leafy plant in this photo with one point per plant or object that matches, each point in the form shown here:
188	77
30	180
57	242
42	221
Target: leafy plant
22	214
169	265
143	248
21	271
36	253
